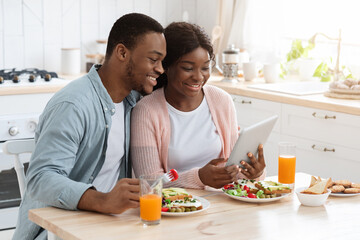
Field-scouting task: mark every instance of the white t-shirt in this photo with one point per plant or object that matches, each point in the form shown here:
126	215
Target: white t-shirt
109	173
194	140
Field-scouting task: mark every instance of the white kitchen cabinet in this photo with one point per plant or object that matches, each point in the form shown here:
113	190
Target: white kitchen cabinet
328	142
325	126
342	163
251	110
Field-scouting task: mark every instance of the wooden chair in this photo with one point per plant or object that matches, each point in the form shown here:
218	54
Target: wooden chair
17	147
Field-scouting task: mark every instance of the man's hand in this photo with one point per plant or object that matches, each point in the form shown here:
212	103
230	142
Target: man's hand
257	166
123	196
215	176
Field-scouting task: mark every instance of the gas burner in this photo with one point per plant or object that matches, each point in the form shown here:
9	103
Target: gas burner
30	74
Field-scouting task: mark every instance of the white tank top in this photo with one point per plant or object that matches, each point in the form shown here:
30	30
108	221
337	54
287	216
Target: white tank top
109	173
194	140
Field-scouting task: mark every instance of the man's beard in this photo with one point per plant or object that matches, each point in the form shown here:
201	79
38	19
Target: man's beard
130	77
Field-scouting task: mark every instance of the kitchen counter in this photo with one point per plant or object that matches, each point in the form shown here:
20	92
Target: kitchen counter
314	101
226	218
38	87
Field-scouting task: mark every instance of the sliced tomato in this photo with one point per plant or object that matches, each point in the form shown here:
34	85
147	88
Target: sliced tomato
164	209
246	188
251	195
228	186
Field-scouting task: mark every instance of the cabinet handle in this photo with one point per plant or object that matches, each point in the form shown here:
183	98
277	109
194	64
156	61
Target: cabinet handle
323	149
324	117
245	102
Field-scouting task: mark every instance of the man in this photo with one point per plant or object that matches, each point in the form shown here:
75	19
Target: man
82	140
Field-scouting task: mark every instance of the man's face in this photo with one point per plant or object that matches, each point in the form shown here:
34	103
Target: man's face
145	65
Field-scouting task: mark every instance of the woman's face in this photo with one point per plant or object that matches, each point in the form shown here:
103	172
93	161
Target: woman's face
187	76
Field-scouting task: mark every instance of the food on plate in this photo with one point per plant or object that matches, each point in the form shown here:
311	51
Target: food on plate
345	186
179	200
337	188
318	186
352	190
271	187
256	189
345	183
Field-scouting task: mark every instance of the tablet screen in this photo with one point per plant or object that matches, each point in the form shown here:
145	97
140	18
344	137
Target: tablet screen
249	140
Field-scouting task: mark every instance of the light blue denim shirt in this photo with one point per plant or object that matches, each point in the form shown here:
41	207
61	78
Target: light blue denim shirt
71	142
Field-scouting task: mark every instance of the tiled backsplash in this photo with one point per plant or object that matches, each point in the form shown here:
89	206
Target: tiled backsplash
32	32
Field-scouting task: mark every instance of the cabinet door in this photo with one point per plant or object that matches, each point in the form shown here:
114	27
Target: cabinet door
251	110
326	160
324	126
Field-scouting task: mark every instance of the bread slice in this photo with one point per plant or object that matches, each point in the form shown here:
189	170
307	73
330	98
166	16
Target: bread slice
313	181
319	187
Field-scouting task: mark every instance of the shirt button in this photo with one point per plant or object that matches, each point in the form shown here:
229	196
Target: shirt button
107	126
105	109
113	110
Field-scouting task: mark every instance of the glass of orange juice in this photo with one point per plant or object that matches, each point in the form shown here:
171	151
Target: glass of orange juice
287	163
150	199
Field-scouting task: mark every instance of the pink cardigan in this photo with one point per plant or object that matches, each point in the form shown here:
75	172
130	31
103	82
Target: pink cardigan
150	133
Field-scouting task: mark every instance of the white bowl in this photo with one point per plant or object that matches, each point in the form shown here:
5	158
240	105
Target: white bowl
312	200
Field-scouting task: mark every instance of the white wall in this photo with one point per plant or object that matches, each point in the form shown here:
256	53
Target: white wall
32	32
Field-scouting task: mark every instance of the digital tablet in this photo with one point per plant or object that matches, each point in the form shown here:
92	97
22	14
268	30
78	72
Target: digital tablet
249	140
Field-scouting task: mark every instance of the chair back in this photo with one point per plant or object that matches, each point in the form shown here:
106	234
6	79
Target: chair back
17	147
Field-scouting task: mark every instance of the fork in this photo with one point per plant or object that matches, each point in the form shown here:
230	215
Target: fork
170	176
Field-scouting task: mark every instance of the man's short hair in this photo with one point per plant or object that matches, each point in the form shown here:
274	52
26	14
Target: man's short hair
129	28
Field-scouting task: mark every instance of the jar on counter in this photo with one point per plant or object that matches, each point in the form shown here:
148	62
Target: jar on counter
230	63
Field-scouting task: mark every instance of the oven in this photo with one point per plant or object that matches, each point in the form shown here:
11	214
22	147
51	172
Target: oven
23	96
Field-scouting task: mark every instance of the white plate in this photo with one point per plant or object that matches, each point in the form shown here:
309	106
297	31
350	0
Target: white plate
205	204
344	194
257	200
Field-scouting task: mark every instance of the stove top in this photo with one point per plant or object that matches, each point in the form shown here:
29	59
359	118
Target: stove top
30	75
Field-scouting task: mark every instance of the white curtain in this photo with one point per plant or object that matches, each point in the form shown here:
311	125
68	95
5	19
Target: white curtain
251	25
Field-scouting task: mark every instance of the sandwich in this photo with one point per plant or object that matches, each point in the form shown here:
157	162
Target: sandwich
179	200
271	187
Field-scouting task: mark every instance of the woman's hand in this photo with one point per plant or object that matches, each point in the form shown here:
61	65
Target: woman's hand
257	166
216	176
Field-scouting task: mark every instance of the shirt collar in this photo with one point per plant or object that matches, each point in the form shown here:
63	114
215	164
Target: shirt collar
100	89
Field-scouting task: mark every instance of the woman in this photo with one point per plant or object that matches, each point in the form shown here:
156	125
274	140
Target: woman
184	124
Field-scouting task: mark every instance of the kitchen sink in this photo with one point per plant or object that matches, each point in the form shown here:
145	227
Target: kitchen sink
294	88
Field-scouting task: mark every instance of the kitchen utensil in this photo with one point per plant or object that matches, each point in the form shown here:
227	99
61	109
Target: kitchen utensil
170	176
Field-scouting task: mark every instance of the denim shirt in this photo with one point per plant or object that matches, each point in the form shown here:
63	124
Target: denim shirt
71	142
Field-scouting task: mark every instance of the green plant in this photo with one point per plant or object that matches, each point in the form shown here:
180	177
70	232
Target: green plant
326	73
297	51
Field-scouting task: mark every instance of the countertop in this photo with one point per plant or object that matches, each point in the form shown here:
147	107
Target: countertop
226	218
36	88
313	101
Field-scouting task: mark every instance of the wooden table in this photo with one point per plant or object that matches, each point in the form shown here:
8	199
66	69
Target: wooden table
226	218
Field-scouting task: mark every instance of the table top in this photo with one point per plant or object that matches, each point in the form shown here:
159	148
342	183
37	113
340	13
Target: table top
226	218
